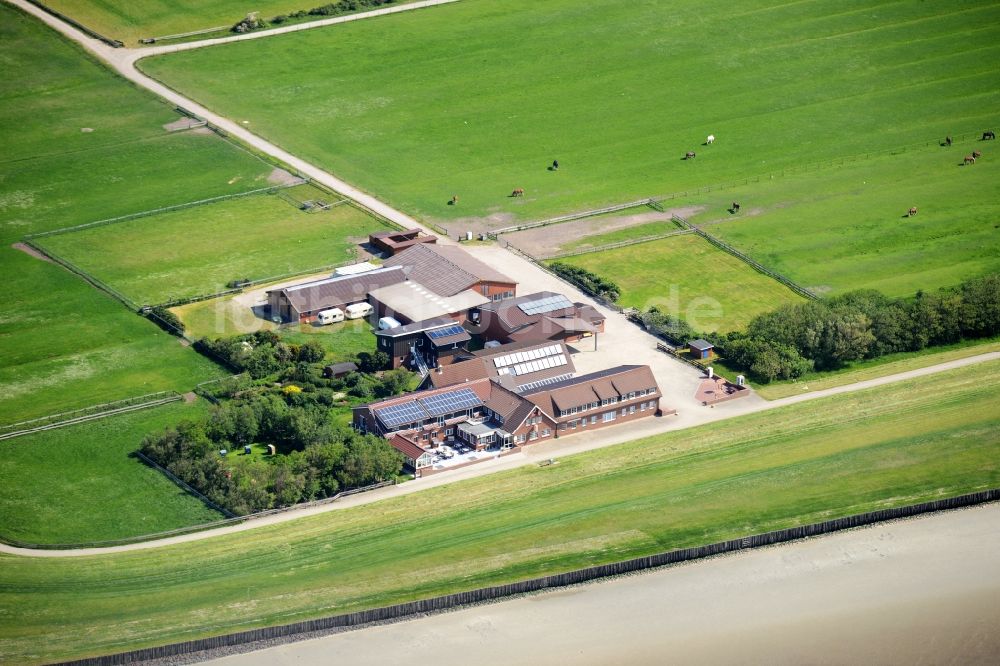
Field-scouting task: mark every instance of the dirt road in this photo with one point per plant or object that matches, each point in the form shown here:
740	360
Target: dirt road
921	591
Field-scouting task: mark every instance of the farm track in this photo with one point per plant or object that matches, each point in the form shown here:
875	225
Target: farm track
123	61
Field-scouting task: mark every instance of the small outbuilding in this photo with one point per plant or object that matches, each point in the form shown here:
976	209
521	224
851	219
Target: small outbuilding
701	348
339	370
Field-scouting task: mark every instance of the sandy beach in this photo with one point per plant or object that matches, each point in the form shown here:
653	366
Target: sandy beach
920	591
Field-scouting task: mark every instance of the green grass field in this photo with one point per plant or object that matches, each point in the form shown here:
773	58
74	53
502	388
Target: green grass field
921	440
64	345
79	484
140	19
688	277
845	227
478	98
198	250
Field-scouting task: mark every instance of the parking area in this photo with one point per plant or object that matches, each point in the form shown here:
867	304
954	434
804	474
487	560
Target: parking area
622	343
459	454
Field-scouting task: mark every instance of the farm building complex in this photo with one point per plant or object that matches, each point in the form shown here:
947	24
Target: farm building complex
484	415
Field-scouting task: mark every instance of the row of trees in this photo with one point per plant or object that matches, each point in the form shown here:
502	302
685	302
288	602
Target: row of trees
592	283
332	9
827	334
316	459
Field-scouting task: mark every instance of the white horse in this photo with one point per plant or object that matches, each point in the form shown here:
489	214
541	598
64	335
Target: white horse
710	140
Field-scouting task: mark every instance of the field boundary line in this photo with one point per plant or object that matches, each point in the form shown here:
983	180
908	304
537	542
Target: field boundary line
95	282
85	414
532	585
156	211
114	43
615	246
760	268
571	217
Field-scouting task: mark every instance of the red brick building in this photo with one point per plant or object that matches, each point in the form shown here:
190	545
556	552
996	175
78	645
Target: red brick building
537	317
487	416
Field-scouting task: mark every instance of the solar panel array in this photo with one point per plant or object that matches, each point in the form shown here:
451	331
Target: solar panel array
547	304
445	332
397	415
525	356
540	364
419	409
450	402
543	382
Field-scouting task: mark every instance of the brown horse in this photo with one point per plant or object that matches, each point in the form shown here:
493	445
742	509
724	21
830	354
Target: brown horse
969	159
518	192
913	211
976	154
689	155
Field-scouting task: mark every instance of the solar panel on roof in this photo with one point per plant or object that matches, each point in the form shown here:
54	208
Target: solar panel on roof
450	402
397	415
546	304
445	332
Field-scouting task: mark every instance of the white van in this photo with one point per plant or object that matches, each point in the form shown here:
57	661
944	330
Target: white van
385	323
358	310
330	316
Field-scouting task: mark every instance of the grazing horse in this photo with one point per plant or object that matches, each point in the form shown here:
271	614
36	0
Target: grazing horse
454	200
969	159
736	207
689	155
988	135
518	192
976	154
947	141
912	212
555	165
710	140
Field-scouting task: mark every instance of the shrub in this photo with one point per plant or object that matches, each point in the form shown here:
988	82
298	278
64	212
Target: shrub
589	282
166	320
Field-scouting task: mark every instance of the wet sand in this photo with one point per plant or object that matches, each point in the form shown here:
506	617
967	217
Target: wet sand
920	591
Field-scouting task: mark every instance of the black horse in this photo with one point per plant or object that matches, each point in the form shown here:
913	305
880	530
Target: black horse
988	135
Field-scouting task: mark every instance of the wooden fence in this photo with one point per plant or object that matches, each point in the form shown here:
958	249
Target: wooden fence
578	576
79	26
88	414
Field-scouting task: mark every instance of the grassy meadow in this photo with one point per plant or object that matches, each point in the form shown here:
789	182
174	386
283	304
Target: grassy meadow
846	227
63	344
478	97
198	250
900	444
690	278
79	484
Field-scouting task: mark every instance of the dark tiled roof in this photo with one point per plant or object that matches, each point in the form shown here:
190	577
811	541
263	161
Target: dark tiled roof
336	291
416	327
579	391
546	324
509	405
701	345
406	447
446	270
338	368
